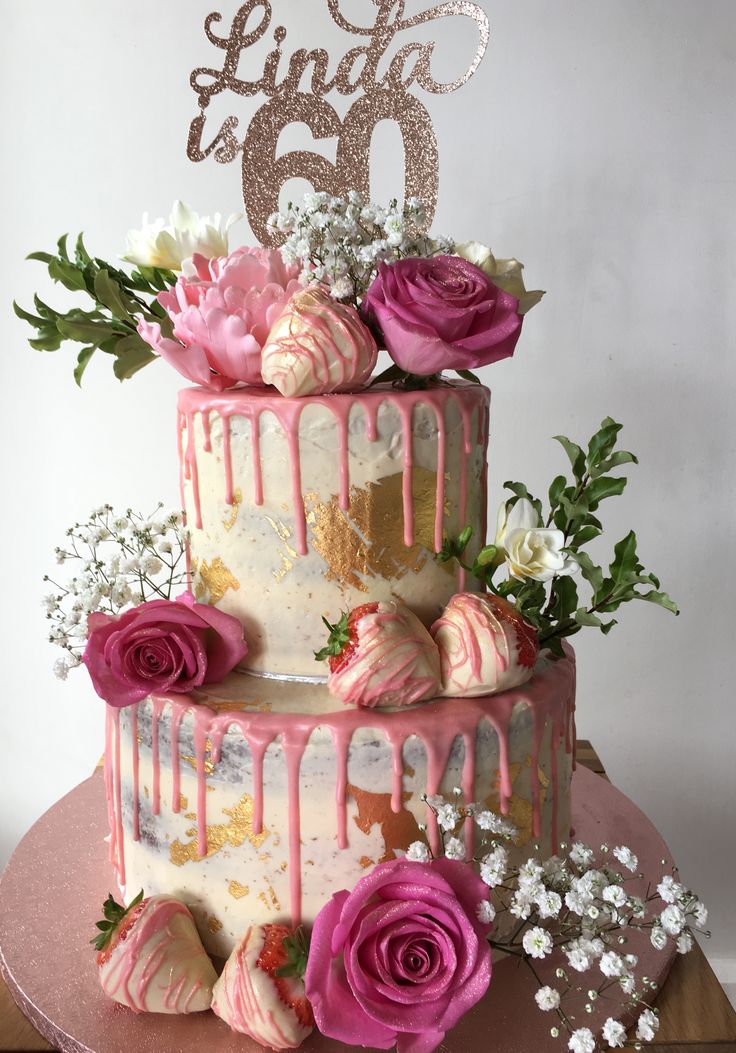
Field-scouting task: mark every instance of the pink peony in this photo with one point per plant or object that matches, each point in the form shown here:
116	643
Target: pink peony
162	645
400	958
442	313
222	315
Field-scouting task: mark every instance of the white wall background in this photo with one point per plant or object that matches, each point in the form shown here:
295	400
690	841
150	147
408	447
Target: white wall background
596	143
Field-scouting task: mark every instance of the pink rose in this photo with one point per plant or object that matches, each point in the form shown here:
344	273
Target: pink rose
442	313
223	311
162	645
400	958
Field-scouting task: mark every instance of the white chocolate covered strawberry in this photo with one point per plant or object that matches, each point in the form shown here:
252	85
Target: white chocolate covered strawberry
380	654
261	991
485	646
151	958
317	346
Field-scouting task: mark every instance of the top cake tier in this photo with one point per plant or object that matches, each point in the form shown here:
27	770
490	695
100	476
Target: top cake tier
304	507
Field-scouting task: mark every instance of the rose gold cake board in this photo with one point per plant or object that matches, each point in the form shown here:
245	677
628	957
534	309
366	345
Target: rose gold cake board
53	887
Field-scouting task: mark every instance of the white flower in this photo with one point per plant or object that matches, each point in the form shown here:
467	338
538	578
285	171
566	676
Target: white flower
627	983
658	937
672	920
448	817
152	566
554	870
581	855
506	274
626	857
168	246
582	1041
485	912
496	824
521	905
537	942
522	516
578	901
538	555
49	603
700	913
638	907
581	953
547	998
494	866
417	852
669	890
615	895
611	964
454	849
684	943
61	668
614	1033
647	1026
549	904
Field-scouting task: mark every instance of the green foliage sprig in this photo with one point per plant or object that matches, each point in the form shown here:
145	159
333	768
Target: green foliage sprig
110	326
555	608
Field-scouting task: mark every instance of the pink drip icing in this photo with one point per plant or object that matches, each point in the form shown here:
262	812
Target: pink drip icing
176	719
200	749
253	402
118	803
550	696
136	770
228	458
536	791
397	765
342	745
206	429
156	708
108	776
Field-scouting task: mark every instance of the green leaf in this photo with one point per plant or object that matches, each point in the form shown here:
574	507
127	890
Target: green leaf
112	296
32	319
661	599
605	486
48	339
559	484
338	639
391	375
467	375
575	455
83	360
68	274
614	461
590	571
486	556
81	255
583	536
61	246
42	257
606	627
86	331
565	598
584	617
114	914
603	441
128	364
625	564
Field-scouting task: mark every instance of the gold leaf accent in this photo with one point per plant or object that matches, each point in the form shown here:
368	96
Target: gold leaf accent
365	862
289	554
229	523
521	810
214	580
208	765
367	541
234	833
237	891
183	803
398	829
270	901
213	924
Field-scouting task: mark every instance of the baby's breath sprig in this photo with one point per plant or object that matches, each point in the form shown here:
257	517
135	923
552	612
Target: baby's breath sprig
577	905
339	242
119	561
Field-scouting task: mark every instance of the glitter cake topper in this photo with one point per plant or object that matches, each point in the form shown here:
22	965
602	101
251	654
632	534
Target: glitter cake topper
384	97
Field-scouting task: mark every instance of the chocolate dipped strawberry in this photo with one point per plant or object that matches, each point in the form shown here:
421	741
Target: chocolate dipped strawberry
380	654
150	957
261	990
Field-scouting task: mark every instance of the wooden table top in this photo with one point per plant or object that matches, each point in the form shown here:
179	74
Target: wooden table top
696	1016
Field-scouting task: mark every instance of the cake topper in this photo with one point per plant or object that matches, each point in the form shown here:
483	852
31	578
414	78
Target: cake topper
296	88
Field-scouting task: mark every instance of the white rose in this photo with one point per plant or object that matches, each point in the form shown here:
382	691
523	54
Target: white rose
506	274
171	246
521	517
538	554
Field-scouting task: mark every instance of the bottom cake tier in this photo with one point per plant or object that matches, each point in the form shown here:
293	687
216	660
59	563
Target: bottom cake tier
255	800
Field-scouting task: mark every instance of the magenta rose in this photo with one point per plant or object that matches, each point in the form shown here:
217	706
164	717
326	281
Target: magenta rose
162	645
400	958
442	313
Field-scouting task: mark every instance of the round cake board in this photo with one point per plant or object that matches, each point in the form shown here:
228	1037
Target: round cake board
53	887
